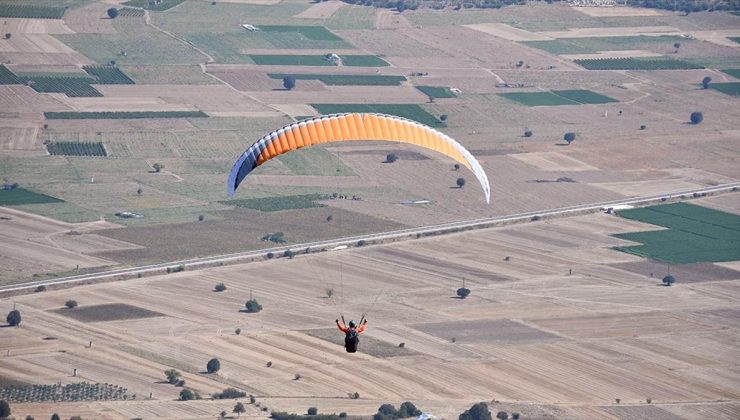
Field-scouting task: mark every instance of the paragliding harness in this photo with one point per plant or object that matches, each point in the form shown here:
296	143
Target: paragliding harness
351	340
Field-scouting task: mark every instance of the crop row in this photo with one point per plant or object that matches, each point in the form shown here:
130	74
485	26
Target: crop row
130	12
76	148
345	79
7	77
636	64
108	75
123	115
31	12
70	392
70	86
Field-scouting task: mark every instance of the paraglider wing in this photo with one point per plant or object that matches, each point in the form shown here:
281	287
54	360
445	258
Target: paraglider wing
352	127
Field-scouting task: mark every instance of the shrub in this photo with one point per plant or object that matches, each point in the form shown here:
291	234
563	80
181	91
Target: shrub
158	167
29	417
355	396
238	331
502	415
55	416
642	127
443	117
696	117
269	364
342	415
41	288
476	412
361	242
173	376
187	395
201	218
536	218
289	82
139	191
388	410
70	304
515	416
408	409
329	218
460	182
402	345
252	306
223	413
252	400
180	383
229	393
569	137
463	292
329	292
649	400
618	400
668	280
270	255
528	132
213	365
456	166
4	409
239	409
8	35
14	318
112	12
312	411
705	82
220	287
391	157
288	253
297	377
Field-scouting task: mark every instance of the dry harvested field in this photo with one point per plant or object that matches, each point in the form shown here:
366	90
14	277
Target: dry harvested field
617	11
34	26
536	338
344	95
321	10
511	33
389	19
623	31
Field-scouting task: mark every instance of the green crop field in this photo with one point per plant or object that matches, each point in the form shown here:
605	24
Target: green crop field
76	148
732	72
70	86
584	96
7	77
158	7
436	91
538	98
123	115
287	202
731	88
289	60
130	12
409	111
18	196
695	234
317	33
31	12
107	75
637	64
592	45
363	61
315	161
735	39
345	79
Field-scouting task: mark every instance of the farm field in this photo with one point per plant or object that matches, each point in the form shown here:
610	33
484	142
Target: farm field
732	88
412	111
345	79
637	64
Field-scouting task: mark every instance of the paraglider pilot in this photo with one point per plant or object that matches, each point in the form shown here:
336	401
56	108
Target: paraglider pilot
351	333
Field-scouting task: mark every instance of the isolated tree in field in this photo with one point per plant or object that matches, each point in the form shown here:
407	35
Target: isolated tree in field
4	409
443	117
158	167
569	137
112	12
456	166
463	292
477	412
201	218
187	395
252	306
677	45
289	82
515	416
502	415
239	409
668	280
388	410
391	157
312	411
172	375
139	191
8	35
705	82
55	416
696	117
460	182
408	409
14	318
220	287
71	304
213	365
223	413
29	417
528	132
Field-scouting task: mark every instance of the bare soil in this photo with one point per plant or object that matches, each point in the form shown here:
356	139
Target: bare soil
107	312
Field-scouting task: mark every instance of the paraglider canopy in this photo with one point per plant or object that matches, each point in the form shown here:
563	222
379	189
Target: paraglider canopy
352	127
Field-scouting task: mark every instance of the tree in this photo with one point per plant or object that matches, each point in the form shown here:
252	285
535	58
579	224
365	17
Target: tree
14	318
456	166
515	416
329	292
172	375
460	182
238	331
223	413
696	117
213	365
140	191
112	12
55	416
41	288
289	82
677	45
569	137
642	127
391	157
705	82
158	167
477	412
229	393
71	304
29	417
220	287
408	409
252	306
288	253
239	409
528	132
201	218
312	411
329	218
668	280
388	410
4	409
463	292
443	117
502	415
187	395
8	35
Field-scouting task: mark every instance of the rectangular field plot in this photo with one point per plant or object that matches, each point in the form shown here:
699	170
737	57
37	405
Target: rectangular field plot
290	60
18	196
538	98
74	87
368	345
7	77
584	96
485	331
363	61
317	33
107	312
686	273
123	115
437	91
157	6
107	75
695	234
410	111
31	12
74	148
637	64
617	325
287	202
731	88
345	79
732	72
592	45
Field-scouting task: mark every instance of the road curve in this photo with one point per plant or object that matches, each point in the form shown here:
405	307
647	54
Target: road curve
350	241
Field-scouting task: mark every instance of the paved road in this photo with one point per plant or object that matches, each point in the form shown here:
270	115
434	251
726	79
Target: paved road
343	243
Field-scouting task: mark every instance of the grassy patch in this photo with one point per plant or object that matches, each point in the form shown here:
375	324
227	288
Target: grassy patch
287	202
735	39
31	12
315	161
7	77
345	79
584	96
158	7
70	86
123	115
695	234
18	196
363	61
538	98
637	64
437	91
107	312
732	72
410	111
289	60
592	45
731	88
76	148
167	75
316	33
107	75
